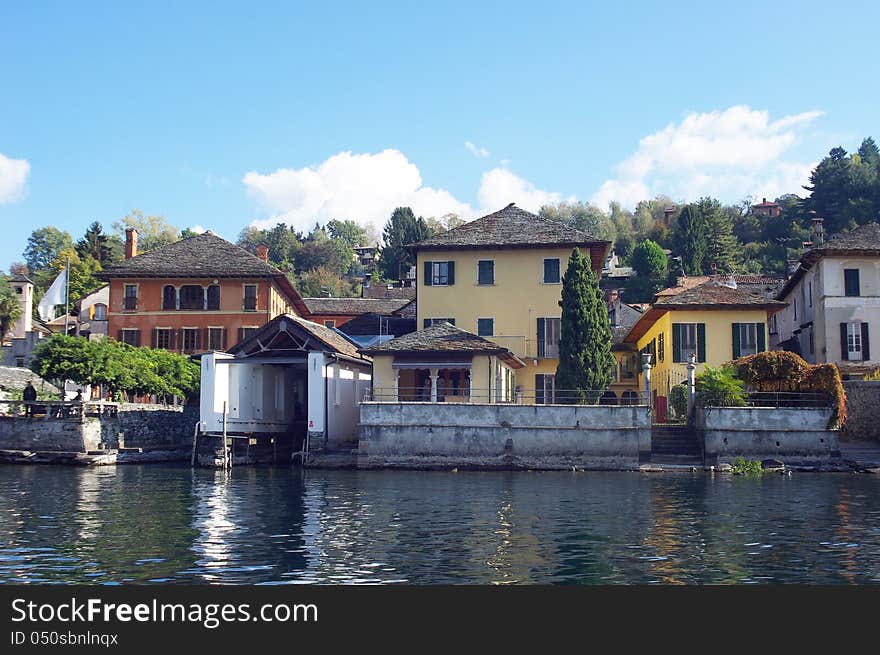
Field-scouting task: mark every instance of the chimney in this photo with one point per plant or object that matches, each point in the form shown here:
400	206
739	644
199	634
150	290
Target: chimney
764	202
131	242
667	214
263	252
818	230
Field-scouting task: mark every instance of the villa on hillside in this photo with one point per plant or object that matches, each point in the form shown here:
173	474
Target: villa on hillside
196	295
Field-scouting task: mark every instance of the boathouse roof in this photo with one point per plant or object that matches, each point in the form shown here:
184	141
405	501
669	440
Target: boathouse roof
288	332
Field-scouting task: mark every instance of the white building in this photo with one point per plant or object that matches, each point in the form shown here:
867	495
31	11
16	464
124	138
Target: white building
294	383
833	312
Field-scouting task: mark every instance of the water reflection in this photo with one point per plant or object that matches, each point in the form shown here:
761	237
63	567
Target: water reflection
131	524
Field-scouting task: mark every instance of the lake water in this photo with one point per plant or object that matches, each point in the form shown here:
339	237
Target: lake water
168	524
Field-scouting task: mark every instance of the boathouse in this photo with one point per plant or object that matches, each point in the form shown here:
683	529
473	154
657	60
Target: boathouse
293	385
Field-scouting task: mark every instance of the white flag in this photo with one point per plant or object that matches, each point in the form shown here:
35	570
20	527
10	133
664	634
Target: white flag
54	296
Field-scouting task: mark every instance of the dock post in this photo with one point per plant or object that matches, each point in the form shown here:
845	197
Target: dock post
226	463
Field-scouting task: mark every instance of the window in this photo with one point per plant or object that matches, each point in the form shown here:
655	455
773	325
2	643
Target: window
100	312
131	293
551	271
548	337
688	339
545	389
213	297
851	281
130	336
215	338
192	296
330	324
745	339
163	338
18	290
189	339
485	327
246	333
854	341
250	297
440	274
428	322
169	297
486	271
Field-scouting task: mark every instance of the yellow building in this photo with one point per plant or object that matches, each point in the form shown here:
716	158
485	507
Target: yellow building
500	277
715	322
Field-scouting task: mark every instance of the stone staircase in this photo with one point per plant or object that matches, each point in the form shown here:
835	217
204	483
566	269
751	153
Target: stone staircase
675	444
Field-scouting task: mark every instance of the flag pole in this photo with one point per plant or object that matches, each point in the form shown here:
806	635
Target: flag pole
67	298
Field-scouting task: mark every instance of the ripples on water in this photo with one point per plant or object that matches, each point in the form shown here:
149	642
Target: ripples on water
165	524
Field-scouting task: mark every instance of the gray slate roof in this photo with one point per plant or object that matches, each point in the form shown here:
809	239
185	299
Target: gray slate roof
354	306
442	338
382	291
332	340
204	255
716	295
16	378
509	227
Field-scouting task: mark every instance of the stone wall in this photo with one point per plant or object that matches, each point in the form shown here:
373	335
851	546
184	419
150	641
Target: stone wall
863	409
150	426
53	435
792	435
425	435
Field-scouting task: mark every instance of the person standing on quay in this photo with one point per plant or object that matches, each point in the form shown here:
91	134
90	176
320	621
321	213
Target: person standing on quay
29	396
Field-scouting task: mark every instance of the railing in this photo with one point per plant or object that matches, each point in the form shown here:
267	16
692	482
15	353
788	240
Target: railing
57	409
130	303
511	397
773	399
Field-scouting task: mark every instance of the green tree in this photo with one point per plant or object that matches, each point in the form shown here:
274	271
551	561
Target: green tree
582	216
722	247
649	260
348	231
691	238
585	359
98	245
10	307
284	243
402	229
319	282
153	231
43	246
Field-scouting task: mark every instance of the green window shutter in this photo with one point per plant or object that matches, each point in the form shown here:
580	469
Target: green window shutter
450	273
676	343
866	352
429	273
737	350
844	353
541	335
762	336
539	388
426	323
701	342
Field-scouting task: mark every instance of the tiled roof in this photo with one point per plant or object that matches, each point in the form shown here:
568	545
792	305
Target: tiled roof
383	291
716	295
18	277
509	227
374	324
763	285
442	338
330	339
353	306
862	241
203	255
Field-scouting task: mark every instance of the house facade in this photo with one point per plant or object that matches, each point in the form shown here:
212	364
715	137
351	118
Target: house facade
500	278
833	296
196	295
715	322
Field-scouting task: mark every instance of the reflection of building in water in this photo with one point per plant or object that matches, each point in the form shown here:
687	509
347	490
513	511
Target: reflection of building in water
845	535
670	535
213	545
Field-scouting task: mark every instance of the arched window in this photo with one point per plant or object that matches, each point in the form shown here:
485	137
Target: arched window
214	296
608	398
100	312
169	297
192	296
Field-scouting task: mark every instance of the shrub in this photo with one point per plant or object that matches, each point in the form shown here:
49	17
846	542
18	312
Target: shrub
743	466
873	375
719	387
825	378
678	399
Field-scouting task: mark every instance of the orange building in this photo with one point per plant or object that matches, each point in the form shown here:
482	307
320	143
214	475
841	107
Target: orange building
195	295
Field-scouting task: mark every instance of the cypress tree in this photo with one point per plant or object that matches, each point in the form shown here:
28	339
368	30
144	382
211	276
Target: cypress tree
585	359
691	239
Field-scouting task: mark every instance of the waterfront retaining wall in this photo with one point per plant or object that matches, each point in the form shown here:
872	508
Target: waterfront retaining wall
791	435
155	428
863	409
426	435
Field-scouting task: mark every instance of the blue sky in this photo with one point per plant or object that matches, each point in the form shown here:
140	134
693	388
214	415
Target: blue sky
218	115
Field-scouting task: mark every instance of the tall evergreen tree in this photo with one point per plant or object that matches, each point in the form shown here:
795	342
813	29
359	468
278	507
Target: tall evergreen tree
585	359
97	244
402	228
691	239
722	247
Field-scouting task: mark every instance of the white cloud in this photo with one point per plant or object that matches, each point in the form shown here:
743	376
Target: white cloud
499	187
727	154
13	178
198	229
476	151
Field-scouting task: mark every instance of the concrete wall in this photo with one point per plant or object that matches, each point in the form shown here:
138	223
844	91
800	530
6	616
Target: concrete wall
71	436
787	434
425	435
863	408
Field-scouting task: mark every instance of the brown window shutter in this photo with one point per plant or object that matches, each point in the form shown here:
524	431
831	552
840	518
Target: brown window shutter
137	338
154	343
